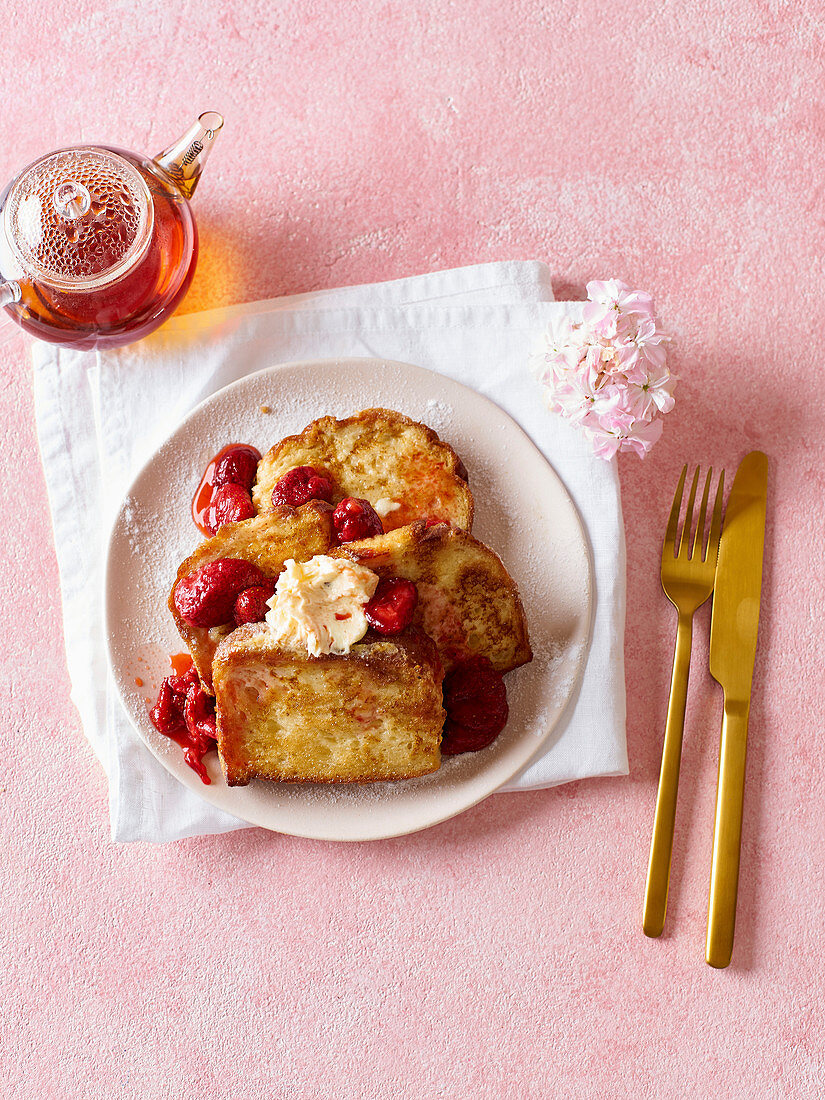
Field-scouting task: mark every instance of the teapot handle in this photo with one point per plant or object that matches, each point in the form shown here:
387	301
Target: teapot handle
9	292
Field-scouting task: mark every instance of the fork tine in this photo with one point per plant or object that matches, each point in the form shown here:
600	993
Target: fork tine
684	541
716	522
673	522
699	534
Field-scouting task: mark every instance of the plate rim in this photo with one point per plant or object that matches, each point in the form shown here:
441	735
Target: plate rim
194	784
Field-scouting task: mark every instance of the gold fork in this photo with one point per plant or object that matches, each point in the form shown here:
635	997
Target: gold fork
687	580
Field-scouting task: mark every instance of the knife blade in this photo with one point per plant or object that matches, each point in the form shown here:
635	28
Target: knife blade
733	632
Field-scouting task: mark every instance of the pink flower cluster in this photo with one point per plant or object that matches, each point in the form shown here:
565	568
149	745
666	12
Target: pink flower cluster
607	372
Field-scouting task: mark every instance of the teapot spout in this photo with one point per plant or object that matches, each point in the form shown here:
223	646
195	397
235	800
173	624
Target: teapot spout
184	160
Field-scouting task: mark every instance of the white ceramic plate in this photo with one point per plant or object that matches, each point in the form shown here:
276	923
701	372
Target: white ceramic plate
522	511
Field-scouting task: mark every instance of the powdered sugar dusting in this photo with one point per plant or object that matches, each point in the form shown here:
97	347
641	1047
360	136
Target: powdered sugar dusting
439	415
522	512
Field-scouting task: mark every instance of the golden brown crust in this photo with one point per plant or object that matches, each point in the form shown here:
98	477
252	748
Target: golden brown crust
467	601
376	454
266	541
372	715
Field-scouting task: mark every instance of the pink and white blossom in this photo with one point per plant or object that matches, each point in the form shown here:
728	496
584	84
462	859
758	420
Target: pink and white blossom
607	373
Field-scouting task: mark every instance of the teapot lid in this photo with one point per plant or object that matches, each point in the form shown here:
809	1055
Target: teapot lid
78	219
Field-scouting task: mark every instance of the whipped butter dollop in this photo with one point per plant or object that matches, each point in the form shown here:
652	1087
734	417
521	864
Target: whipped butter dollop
319	604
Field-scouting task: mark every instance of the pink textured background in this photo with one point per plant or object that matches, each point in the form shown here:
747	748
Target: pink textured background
679	146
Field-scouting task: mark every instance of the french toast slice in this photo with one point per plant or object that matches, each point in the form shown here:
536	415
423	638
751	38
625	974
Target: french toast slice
467	601
372	714
380	456
266	541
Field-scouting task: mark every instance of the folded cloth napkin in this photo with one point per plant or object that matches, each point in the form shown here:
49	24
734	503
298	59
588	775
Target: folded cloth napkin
100	416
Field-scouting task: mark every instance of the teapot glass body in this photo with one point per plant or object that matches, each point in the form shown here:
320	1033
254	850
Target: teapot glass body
133	305
98	245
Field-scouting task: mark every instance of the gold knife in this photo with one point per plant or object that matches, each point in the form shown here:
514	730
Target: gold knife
733	629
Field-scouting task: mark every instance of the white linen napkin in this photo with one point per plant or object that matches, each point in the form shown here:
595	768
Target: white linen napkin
100	415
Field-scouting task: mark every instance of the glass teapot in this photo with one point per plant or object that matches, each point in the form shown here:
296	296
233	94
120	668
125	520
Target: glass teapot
98	245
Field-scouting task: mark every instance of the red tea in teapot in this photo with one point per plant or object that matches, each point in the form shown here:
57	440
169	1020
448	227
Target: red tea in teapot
99	245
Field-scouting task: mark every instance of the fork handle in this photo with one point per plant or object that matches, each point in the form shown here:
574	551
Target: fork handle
661	847
727	835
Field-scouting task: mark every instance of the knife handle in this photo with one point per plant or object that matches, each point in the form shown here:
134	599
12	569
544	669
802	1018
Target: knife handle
727	835
661	846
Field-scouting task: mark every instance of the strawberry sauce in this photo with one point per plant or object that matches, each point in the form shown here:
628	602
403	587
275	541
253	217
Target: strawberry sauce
202	500
186	714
